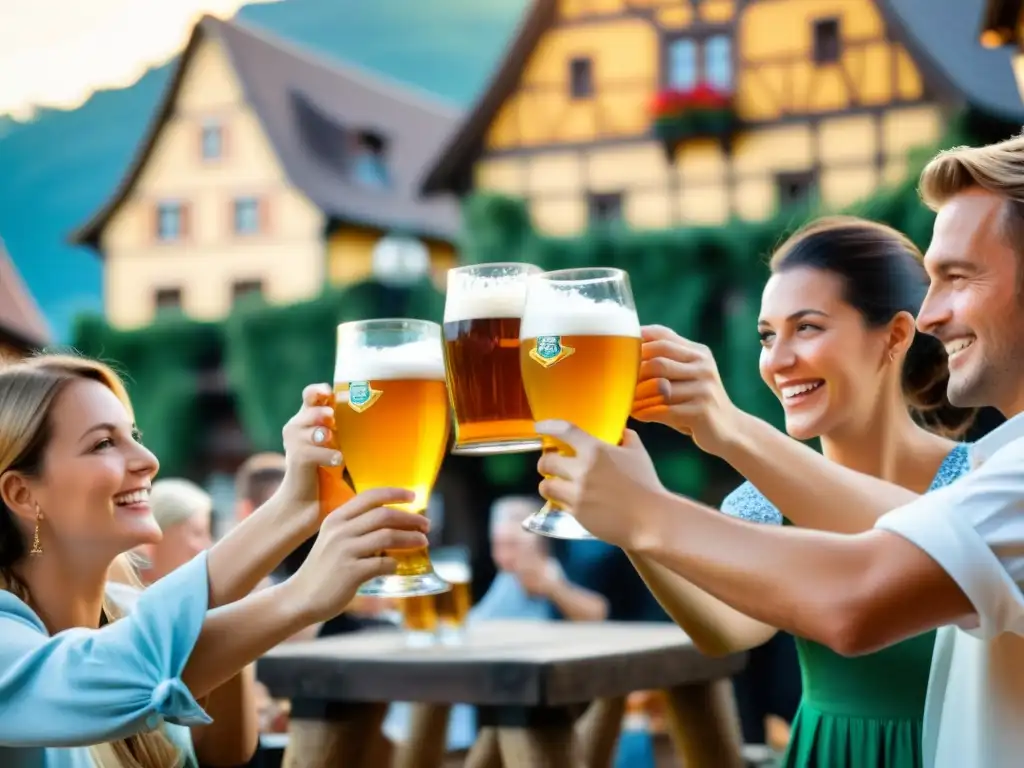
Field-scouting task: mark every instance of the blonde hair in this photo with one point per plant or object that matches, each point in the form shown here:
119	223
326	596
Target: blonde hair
175	500
996	168
28	390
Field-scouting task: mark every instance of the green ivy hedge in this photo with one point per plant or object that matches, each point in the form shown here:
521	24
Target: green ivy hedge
704	282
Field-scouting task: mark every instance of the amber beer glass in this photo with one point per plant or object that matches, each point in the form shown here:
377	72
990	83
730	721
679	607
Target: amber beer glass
482	314
580	359
453	565
391	421
419	619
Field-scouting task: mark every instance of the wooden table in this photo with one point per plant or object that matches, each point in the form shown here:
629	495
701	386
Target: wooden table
530	679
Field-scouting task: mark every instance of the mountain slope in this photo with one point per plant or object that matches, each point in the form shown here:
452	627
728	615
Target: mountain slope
56	170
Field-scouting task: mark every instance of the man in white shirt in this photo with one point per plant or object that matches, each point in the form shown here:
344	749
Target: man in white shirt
953	558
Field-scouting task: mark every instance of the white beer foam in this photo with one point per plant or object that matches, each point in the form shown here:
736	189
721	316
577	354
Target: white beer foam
480	297
557	313
453	573
416	360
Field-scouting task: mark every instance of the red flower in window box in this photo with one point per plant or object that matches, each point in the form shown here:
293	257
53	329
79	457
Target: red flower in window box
685	113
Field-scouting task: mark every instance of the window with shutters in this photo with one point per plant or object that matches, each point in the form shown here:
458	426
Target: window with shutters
248	214
172	220
690	62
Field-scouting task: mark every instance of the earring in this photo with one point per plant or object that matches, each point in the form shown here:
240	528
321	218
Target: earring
37	548
892	355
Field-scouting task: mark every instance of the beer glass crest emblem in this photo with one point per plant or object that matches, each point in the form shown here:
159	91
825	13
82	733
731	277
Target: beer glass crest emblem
549	350
361	395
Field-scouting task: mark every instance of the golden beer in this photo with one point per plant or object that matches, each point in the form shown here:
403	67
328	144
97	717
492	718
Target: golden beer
453	606
482	317
419	613
391	421
580	359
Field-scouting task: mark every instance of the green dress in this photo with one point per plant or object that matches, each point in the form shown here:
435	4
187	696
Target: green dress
863	712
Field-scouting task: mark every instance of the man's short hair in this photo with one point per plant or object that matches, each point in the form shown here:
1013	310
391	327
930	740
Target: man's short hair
996	168
259	477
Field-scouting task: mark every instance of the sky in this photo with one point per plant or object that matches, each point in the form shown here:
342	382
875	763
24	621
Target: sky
56	52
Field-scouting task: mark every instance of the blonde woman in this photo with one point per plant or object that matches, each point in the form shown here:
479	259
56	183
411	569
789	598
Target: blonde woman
84	687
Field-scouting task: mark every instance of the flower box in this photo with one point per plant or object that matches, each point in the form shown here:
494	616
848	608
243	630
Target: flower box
697	112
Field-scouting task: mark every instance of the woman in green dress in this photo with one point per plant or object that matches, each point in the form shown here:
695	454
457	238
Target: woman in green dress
840	352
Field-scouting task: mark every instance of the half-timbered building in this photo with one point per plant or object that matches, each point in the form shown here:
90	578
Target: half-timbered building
672	112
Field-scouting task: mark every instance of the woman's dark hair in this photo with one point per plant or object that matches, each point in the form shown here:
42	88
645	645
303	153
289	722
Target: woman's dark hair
882	276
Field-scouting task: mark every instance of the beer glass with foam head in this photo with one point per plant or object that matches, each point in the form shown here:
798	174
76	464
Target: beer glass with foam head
482	314
391	421
580	360
453	565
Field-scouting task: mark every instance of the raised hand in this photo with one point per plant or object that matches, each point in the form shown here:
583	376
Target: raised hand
605	487
308	444
350	549
679	386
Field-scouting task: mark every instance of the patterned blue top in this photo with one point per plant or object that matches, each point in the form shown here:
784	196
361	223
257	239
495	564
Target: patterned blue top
89	686
748	503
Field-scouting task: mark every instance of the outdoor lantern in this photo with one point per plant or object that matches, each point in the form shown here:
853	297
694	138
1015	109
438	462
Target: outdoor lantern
400	261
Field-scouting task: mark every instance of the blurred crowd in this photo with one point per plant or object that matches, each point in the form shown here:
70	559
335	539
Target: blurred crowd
534	578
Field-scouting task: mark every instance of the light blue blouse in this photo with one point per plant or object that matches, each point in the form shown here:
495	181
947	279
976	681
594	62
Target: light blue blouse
88	686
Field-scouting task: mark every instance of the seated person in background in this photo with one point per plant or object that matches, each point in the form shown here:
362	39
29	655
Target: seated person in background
256	481
530	582
183	511
530	585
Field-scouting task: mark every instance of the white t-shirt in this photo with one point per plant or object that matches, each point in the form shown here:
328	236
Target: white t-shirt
974	529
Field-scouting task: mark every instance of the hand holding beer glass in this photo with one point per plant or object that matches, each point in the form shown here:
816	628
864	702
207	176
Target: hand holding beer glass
391	422
482	314
580	358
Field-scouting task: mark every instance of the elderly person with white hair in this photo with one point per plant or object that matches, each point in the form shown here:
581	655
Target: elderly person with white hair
183	511
530	583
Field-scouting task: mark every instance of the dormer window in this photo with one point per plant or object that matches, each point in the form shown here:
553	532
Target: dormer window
369	163
212	141
325	137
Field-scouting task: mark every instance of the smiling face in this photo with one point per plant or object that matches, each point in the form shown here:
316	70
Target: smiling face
93	487
818	355
974	304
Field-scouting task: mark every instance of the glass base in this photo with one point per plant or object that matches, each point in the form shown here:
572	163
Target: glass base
419	638
452	635
556	524
496	447
393	585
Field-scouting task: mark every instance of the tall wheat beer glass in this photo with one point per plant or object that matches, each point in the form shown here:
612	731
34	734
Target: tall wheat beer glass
391	419
580	358
482	315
